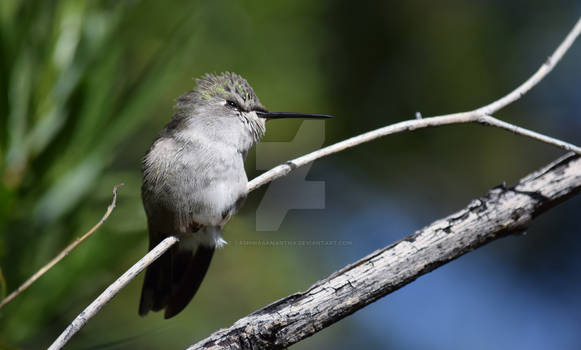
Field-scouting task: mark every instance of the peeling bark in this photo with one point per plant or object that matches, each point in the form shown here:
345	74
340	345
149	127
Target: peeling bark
501	212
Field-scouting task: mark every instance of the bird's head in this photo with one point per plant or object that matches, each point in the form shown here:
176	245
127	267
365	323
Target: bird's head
227	100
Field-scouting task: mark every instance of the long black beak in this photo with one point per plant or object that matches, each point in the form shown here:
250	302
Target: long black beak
283	115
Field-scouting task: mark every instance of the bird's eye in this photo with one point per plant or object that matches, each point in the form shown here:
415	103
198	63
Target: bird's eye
232	104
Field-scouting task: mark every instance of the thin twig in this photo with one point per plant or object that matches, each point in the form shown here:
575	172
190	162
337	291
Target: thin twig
491	121
545	69
480	115
111	291
408	125
63	253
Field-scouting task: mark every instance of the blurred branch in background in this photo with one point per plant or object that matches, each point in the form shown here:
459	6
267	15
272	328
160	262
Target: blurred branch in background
263	334
63	253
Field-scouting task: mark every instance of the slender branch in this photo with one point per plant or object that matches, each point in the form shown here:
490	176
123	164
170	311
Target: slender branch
111	291
63	253
501	212
480	115
491	121
408	125
545	69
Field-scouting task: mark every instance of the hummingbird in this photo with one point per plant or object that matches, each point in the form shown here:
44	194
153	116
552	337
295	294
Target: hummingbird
194	181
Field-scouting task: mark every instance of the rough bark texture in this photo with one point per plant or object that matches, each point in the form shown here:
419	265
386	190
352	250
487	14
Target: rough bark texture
501	212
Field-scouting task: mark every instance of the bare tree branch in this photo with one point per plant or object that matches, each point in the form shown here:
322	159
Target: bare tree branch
111	291
481	115
63	253
503	211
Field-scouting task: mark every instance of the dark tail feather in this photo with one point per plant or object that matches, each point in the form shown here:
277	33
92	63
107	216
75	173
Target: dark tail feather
188	271
156	285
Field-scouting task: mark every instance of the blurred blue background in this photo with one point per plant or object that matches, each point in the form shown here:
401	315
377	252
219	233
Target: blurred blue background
86	85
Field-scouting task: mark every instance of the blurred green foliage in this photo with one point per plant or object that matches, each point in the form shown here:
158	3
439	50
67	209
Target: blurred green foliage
86	84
